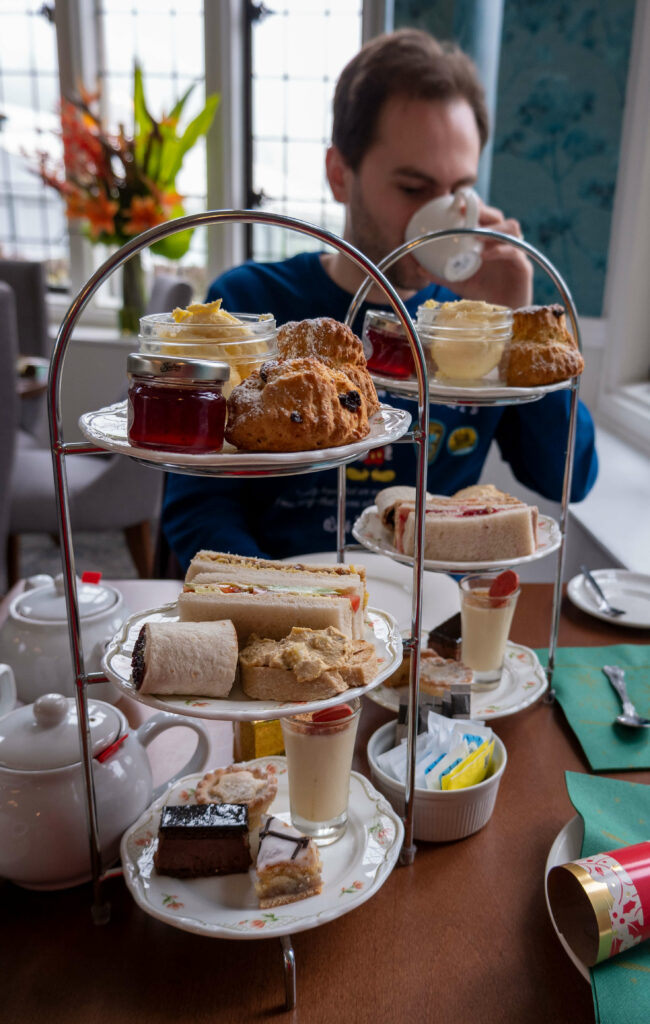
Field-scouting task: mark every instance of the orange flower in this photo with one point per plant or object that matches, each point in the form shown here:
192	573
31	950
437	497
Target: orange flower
143	213
100	212
76	204
169	200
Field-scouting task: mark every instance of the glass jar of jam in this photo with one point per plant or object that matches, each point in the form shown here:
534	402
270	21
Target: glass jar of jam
386	346
176	405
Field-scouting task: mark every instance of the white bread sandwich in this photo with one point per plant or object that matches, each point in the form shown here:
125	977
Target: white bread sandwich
205	561
389	498
198	658
271	604
321	595
469	530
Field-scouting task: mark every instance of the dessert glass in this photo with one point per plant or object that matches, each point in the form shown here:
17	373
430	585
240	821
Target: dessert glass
244	346
319	749
468	342
485	627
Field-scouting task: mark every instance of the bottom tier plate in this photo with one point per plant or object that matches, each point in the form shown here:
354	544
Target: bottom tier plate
226	907
523	681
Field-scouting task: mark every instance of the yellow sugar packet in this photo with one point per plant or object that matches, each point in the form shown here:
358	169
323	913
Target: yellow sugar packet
470	771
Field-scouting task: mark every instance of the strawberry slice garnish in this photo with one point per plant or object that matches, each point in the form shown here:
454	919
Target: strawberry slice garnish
332	714
504	584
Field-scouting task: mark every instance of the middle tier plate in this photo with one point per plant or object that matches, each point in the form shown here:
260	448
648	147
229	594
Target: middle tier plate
107	428
369	530
381	630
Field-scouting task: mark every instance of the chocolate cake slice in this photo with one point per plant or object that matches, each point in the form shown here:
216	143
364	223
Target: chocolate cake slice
197	840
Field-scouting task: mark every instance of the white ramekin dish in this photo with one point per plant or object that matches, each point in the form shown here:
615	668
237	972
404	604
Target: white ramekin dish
439	815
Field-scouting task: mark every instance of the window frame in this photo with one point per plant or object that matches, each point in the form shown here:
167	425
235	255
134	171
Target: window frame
621	407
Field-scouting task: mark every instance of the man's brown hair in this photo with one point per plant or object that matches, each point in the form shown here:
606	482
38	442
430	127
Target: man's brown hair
406	63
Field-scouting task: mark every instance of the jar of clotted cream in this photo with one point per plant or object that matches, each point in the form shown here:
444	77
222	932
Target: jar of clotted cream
176	404
467	341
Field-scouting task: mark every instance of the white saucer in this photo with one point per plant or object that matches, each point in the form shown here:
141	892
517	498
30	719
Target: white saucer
522	683
107	428
567	846
623	589
380	629
354	868
369	530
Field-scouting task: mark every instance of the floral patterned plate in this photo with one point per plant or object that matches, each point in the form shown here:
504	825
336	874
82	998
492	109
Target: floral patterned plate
380	630
226	907
522	682
566	846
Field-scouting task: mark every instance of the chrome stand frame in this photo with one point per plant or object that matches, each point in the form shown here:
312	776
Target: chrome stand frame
100	908
420	437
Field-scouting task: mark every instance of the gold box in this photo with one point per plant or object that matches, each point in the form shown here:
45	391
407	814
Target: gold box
257	739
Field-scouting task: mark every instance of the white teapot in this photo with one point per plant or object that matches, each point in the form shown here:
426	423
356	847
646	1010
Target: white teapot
36	643
43	832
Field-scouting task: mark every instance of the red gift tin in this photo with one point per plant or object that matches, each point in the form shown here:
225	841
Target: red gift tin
601	904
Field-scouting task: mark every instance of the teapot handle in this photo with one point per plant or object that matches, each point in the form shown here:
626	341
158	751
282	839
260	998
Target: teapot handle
7	690
163	720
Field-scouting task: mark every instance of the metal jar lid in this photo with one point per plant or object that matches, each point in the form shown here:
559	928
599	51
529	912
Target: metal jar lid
383	320
175	368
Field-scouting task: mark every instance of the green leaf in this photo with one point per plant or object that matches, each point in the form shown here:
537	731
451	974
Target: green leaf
172	161
174	246
143	122
178	108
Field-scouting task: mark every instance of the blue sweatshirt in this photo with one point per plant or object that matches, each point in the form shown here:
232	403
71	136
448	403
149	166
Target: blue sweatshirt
282	516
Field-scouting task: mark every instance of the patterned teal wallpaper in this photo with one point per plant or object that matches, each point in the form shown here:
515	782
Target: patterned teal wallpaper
562	75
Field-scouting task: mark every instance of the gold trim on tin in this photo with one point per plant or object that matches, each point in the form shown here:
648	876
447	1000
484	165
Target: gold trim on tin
601	901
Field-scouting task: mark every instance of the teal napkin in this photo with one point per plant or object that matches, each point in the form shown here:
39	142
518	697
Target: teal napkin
591	706
615	814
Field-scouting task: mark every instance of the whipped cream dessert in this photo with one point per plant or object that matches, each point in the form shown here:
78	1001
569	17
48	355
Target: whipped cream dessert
319	759
485	627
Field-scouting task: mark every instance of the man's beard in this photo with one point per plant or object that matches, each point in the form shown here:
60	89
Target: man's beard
366	234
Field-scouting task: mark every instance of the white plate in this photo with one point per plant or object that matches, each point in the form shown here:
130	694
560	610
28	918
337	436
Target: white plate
522	683
567	846
369	530
623	589
354	868
446	394
107	428
381	629
390	586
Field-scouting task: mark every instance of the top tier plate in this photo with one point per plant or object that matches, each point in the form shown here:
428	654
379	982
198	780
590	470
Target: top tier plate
107	428
447	394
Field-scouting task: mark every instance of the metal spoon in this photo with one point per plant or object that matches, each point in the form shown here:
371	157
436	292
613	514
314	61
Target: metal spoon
630	715
603	604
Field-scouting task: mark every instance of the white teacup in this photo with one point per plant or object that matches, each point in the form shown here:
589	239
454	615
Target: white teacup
452	258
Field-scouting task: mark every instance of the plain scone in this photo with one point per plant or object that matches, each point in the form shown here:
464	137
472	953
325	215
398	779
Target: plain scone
336	345
542	349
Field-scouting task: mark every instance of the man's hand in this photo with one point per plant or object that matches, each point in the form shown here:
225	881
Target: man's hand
506	274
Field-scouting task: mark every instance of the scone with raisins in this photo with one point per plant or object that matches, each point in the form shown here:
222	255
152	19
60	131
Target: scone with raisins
296	405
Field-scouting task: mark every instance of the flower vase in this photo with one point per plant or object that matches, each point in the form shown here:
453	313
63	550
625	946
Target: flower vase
132	295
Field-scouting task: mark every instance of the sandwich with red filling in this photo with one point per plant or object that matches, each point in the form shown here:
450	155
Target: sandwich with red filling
270	598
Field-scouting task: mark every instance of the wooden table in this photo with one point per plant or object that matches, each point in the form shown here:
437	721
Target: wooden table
462	935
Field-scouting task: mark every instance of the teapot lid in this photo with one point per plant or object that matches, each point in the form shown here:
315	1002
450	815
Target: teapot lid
46	601
45	735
